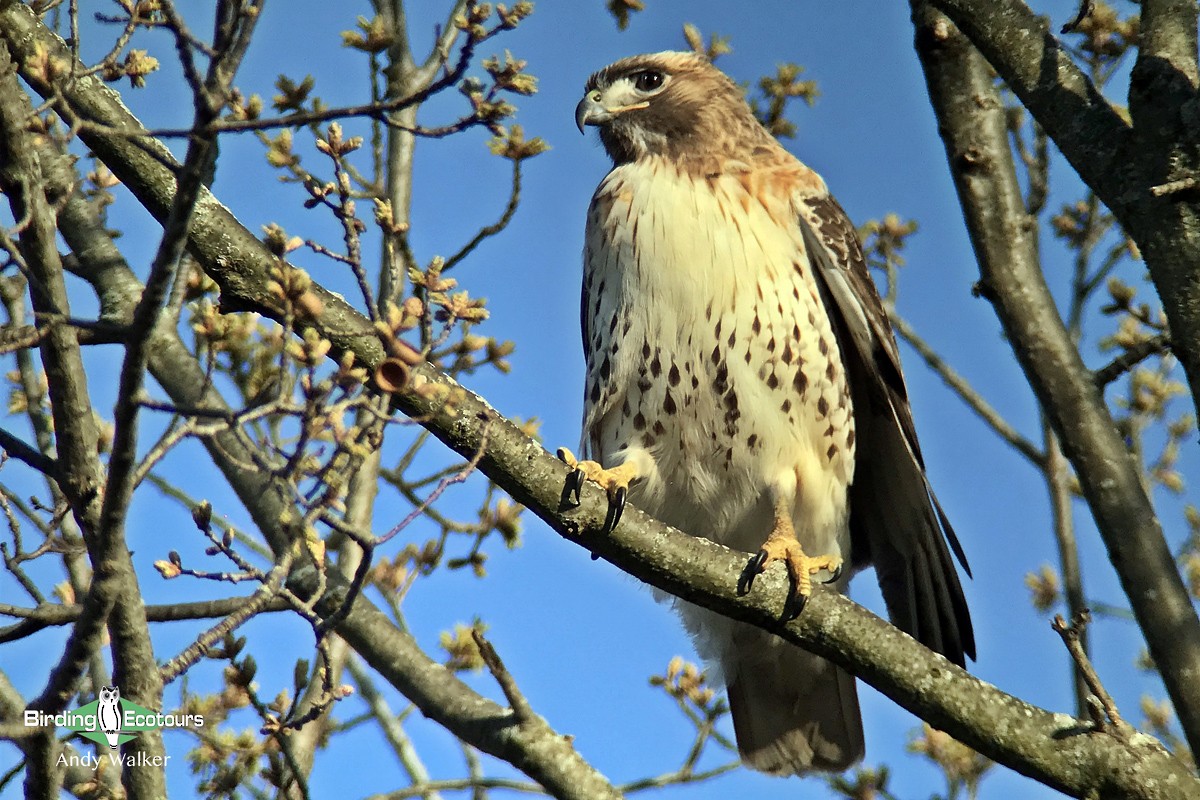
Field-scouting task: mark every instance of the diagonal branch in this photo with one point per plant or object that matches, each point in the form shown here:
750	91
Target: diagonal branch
967	393
528	743
1141	165
1053	748
15	447
1129	359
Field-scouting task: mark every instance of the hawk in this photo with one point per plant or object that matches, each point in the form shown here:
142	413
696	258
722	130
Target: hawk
743	384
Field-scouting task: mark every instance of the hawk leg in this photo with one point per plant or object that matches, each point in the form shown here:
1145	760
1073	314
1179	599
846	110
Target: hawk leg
614	481
782	545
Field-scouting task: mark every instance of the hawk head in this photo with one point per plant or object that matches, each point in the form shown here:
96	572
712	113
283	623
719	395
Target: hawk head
670	104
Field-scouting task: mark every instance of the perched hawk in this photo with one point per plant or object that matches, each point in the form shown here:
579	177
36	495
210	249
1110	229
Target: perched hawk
743	384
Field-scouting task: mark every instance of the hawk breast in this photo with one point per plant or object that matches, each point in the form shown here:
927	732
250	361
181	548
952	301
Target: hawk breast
710	357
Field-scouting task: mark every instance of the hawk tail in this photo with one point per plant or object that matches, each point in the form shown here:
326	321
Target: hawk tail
793	712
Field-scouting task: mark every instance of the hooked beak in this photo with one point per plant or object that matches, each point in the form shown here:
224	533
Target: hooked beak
592	111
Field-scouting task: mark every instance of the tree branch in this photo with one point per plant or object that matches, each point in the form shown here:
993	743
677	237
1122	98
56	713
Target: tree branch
971	118
74	431
967	393
392	727
1020	46
529	744
51	615
1072	635
1057	473
1053	748
18	449
1121	162
101	264
1131	358
1167	34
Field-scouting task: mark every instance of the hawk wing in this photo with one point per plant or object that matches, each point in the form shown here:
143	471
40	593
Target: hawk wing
896	522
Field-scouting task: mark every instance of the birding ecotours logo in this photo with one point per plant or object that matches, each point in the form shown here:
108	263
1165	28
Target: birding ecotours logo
111	719
108	714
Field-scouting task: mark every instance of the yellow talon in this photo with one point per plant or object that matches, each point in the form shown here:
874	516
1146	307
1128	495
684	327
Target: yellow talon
782	545
615	483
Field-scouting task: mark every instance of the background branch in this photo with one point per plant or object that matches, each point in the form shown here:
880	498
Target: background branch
971	118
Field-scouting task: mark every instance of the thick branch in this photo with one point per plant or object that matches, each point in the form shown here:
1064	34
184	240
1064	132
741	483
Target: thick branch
1056	749
74	431
1020	46
1121	163
972	121
1167	34
1035	742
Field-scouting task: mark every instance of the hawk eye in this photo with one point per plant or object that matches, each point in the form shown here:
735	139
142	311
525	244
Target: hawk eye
647	80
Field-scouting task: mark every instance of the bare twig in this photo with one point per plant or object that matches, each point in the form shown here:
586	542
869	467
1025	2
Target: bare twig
967	393
51	615
522	711
443	485
392	728
1133	356
1058	481
431	788
677	778
253	605
514	198
1071	638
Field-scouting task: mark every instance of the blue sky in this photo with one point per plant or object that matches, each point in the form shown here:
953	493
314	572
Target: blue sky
580	637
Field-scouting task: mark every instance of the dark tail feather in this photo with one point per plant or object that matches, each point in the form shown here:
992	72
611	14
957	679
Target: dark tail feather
793	712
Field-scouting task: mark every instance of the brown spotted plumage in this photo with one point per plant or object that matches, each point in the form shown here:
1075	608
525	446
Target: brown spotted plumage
743	384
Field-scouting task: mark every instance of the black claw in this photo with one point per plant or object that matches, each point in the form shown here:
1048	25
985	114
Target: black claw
794	607
616	506
746	579
833	578
753	568
575	486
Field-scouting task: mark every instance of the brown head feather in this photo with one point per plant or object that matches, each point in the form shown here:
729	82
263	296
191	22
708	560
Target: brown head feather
700	120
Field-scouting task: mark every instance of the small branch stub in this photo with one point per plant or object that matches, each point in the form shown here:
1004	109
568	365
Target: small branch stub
392	375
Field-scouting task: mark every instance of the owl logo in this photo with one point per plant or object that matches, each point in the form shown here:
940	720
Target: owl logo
108	714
